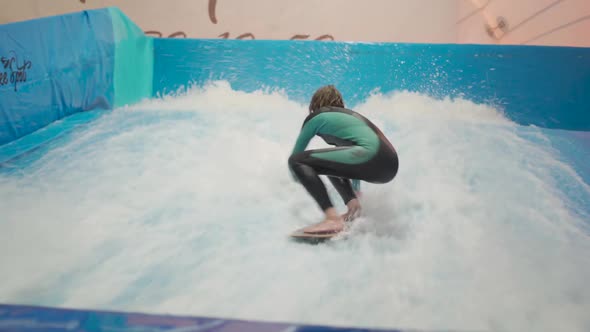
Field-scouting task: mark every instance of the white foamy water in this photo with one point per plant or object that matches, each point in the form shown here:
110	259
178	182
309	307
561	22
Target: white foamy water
183	205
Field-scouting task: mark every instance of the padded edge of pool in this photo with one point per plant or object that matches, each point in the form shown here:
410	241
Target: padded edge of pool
31	142
21	318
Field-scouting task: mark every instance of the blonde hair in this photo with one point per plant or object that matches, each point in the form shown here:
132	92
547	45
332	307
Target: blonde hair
326	96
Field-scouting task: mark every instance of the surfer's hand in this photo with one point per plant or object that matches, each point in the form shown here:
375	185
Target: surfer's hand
354	210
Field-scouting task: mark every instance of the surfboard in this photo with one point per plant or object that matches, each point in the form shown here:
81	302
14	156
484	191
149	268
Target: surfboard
300	235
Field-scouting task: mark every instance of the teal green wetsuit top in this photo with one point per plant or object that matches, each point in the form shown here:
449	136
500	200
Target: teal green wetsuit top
340	127
361	152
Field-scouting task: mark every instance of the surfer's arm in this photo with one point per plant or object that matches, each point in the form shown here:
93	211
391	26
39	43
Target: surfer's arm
309	130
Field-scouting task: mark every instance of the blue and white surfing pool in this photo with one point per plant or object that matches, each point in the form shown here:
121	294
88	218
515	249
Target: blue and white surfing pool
182	204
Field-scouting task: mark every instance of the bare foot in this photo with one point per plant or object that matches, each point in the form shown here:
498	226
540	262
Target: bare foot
354	210
326	226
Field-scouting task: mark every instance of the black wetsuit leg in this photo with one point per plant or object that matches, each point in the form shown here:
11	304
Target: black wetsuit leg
381	168
344	188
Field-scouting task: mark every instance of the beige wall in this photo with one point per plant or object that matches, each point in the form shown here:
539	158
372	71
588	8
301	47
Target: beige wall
346	20
531	22
540	22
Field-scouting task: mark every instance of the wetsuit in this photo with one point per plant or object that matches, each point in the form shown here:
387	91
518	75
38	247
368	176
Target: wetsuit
362	152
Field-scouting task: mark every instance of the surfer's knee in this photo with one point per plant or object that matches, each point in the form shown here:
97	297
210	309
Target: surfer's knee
296	166
292	159
296	160
388	170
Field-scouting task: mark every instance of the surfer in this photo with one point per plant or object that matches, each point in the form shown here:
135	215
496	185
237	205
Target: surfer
361	152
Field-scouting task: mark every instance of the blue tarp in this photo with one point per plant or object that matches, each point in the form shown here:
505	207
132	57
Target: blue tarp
54	67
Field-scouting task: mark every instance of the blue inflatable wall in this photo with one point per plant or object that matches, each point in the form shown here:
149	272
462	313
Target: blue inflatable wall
100	59
545	86
57	66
